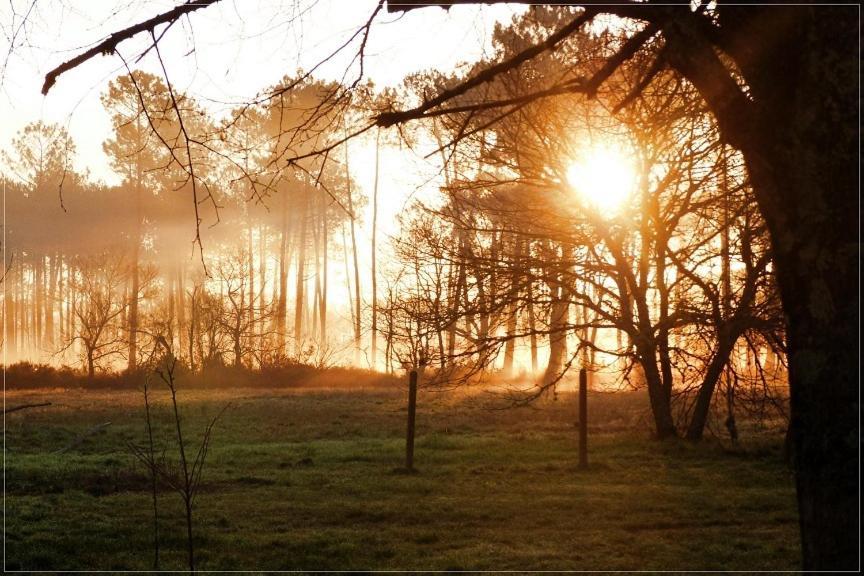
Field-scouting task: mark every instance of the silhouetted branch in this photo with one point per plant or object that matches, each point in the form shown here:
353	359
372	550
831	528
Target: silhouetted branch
25	407
109	45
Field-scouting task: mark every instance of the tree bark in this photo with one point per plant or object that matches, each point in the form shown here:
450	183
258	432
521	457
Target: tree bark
798	133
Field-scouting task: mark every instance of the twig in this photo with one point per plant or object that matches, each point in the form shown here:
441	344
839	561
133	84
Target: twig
82	437
25	407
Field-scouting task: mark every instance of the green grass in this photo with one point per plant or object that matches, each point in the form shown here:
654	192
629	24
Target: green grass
311	481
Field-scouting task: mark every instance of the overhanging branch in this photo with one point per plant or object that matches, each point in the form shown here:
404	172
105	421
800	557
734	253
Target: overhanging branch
387	119
109	45
578	85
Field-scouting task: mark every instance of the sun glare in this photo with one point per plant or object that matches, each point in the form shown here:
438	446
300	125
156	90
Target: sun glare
604	179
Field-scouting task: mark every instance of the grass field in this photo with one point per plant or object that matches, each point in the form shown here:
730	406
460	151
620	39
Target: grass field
312	481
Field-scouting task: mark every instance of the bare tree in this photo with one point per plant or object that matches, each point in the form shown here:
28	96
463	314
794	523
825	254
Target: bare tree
99	282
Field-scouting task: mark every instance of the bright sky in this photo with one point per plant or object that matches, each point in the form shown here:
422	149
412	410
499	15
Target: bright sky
223	54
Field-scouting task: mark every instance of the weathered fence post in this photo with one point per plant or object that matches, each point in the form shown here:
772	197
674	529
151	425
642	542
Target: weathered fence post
412	408
583	418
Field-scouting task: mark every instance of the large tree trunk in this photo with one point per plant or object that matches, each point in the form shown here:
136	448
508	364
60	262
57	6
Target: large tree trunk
798	133
813	213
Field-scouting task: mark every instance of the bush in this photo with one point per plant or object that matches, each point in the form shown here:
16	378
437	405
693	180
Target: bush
284	374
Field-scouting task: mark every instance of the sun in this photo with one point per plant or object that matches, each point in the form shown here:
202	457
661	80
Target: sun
604	179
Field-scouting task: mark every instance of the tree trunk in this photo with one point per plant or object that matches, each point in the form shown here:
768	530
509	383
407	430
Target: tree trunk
282	305
325	263
316	244
661	407
9	315
356	283
300	303
374	335
557	333
726	342
180	303
136	248
512	308
22	311
798	133
48	339
91	368
532	328
38	297
250	250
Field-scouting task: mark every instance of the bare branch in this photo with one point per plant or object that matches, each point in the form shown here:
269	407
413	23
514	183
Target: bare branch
109	45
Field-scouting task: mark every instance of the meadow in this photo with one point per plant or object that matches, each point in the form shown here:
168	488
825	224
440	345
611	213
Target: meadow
313	479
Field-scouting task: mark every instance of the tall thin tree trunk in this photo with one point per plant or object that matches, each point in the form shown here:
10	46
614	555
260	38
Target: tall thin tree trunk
356	265
180	299
374	335
48	337
9	340
512	308
282	306
299	305
316	241
347	275
262	286
532	331
322	307
39	297
557	326
250	249
136	248
26	299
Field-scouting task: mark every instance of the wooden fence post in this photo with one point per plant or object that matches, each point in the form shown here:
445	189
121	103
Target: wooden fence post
583	418
412	408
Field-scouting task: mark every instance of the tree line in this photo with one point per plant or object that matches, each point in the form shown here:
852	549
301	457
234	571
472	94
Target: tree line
97	272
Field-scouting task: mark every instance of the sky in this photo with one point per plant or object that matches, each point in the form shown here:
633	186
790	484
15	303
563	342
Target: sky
223	54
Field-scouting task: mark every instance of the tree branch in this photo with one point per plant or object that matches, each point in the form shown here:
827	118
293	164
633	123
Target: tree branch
387	119
109	45
25	407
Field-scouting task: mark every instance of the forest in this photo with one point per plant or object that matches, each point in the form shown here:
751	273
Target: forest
236	317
